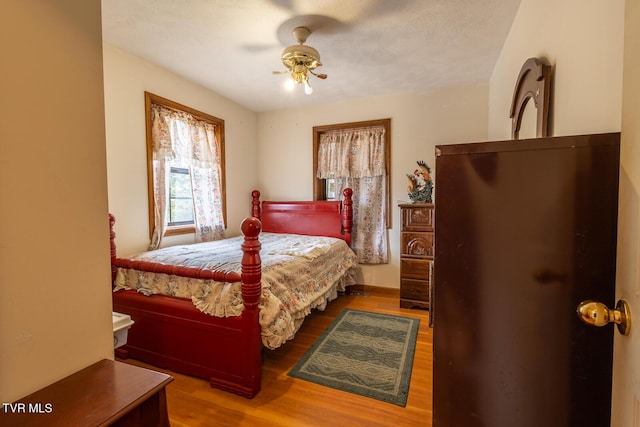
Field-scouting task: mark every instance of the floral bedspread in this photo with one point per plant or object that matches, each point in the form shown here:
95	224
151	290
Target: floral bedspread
299	273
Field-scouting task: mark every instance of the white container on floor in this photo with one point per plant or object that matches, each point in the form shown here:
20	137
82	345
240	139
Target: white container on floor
121	325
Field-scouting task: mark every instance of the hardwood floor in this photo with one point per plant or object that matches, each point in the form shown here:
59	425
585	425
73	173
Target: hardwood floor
285	401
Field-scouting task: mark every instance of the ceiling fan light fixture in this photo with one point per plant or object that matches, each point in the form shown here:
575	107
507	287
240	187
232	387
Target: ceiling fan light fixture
301	60
301	54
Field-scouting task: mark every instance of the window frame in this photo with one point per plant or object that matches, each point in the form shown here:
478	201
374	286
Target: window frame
319	187
150	98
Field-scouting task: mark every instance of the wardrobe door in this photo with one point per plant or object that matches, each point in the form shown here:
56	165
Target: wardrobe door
524	231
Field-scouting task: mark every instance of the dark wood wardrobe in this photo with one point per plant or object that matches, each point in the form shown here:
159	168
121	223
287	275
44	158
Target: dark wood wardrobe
525	230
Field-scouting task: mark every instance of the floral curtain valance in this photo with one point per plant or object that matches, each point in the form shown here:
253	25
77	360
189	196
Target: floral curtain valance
178	134
352	153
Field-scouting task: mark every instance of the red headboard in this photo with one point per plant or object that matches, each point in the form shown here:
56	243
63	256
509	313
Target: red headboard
312	218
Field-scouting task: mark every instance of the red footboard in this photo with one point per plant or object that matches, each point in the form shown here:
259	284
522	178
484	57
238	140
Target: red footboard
170	332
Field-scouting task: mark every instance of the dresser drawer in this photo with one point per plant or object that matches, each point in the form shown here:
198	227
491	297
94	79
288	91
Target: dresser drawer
417	290
414	268
417	218
416	244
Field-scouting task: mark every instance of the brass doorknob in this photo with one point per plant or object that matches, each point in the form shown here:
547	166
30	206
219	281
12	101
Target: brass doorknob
597	314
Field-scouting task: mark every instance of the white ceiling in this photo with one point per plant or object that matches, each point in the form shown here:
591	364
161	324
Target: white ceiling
368	47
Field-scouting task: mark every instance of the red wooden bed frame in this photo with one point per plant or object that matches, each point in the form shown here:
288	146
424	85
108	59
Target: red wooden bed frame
170	332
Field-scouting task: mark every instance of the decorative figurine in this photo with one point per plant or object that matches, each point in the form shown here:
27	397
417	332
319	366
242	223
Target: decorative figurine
420	187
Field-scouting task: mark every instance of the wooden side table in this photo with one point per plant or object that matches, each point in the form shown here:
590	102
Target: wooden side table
107	393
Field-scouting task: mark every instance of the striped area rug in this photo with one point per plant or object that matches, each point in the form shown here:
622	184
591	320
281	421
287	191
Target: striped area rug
366	353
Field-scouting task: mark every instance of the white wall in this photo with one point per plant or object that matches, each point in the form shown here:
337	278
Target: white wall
55	299
418	123
584	42
126	78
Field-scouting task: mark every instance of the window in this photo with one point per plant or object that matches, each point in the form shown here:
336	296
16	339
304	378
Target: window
185	167
356	155
330	192
180	198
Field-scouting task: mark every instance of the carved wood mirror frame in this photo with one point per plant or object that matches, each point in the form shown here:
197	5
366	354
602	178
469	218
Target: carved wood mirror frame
534	83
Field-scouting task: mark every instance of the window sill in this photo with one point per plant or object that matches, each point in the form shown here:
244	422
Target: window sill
175	231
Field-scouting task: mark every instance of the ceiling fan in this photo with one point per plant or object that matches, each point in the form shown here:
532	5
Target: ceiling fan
300	60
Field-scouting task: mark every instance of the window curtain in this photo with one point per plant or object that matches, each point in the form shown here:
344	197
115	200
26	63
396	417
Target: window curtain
355	158
179	139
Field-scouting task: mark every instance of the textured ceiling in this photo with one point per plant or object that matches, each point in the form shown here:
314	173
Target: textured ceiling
368	47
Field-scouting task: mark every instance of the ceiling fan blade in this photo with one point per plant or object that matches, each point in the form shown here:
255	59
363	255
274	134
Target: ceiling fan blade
320	76
280	72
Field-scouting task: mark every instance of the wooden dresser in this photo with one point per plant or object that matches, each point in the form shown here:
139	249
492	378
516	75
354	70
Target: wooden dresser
416	254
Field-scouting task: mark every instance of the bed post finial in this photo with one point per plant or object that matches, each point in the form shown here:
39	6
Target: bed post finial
347	214
251	263
112	239
255	204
